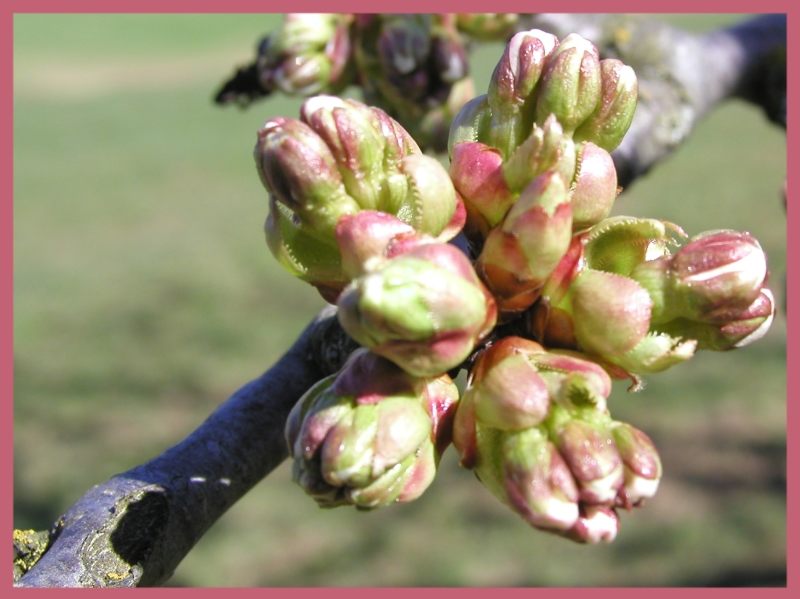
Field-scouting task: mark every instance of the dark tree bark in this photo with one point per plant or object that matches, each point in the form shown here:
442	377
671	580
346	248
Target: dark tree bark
134	529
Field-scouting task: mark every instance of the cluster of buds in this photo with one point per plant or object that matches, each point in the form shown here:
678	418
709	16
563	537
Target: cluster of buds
531	158
580	297
371	434
340	158
623	296
535	427
360	213
309	54
413	66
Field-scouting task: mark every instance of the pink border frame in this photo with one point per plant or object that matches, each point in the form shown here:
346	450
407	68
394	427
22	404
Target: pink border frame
12	7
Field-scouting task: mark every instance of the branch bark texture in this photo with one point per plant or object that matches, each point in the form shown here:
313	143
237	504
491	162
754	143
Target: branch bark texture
134	529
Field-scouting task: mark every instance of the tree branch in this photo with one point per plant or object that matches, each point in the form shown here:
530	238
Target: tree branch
134	529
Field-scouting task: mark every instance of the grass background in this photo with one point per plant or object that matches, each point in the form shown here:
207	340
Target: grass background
144	295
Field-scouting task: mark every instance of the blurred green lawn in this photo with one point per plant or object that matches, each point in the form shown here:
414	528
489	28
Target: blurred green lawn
144	295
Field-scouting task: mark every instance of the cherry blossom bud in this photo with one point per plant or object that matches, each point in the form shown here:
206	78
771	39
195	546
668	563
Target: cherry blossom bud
470	124
315	261
595	187
307	54
351	131
546	148
612	118
570	86
476	171
366	436
403	47
610	313
587	446
425	310
732	329
341	158
513	82
300	171
506	389
370	236
717	271
520	254
537	481
641	462
430	202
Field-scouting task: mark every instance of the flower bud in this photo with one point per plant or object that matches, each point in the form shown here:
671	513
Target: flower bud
402	483
304	31
516	74
431	202
299	170
519	255
749	325
572	263
365	436
573	380
512	83
341	158
399	142
369	236
534	426
505	387
315	261
305	75
424	315
403	46
717	271
612	118
414	65
610	313
536	480
741	328
595	187
570	85
440	401
546	148
588	448
476	171
308	54
641	462
470	124
596	524
465	437
351	132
